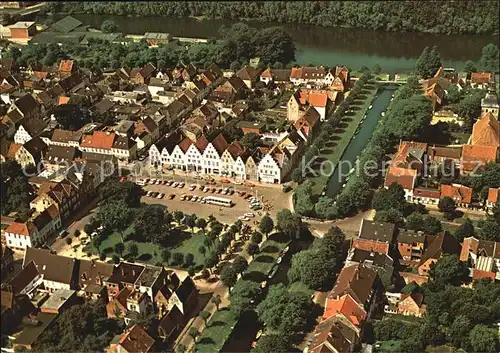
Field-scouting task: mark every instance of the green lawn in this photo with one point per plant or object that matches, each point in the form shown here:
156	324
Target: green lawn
388	346
223	322
217	332
299	287
151	253
334	149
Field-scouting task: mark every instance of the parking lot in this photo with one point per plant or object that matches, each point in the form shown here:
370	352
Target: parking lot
195	190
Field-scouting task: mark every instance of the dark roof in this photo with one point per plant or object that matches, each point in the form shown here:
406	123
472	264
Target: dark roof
35	147
169	142
170	322
93	272
356	280
57	153
26	103
383	232
23	278
123	142
185	290
248	73
52	267
104	105
126	273
35	328
65	25
149	276
410	236
444	243
359	255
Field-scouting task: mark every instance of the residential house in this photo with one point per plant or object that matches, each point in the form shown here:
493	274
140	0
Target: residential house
160	153
486	131
27	107
444	243
251	127
361	284
171	324
34	330
66	138
58	272
462	195
303	98
272	164
409	304
407	164
140	76
426	196
34	232
185	296
445	155
132	340
481	80
228	159
334	335
278	76
483	256
249	75
146	132
436	94
125	276
308	75
26	281
124	148
59	300
308	123
128	305
411	246
375	236
29	130
489	104
93	273
66	68
60	192
476	157
59	157
383	264
212	154
493	198
229	91
18	153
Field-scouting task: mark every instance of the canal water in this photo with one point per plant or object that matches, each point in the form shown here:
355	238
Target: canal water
394	52
360	140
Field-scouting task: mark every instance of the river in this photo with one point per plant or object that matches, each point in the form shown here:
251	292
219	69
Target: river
360	140
394	52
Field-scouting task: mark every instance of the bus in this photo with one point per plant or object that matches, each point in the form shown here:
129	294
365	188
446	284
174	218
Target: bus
220	201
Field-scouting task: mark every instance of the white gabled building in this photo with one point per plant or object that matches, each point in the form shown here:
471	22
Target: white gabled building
213	155
22	135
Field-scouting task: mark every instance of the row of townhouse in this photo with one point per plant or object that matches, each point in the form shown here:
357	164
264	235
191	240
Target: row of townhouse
219	157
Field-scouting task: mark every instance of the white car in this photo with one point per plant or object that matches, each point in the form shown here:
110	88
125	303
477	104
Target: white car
249	214
194	198
152	181
160	196
243	218
139	182
192	187
148	193
181	185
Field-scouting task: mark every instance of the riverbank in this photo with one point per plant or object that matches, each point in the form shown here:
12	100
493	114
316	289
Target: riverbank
340	139
393	52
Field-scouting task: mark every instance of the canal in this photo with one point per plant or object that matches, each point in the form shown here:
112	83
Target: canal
360	140
394	52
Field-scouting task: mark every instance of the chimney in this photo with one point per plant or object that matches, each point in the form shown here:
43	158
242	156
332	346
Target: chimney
123	271
133	272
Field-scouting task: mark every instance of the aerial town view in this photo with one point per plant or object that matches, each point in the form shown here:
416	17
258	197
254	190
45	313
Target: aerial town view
250	176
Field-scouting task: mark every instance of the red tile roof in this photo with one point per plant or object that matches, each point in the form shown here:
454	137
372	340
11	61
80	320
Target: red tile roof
220	144
402	176
459	193
486	131
25	229
136	340
430	193
184	144
63	100
473	155
66	65
316	98
99	139
13	148
201	143
478	274
493	195
480	77
347	306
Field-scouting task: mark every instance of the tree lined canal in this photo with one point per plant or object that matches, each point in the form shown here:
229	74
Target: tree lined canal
393	51
360	140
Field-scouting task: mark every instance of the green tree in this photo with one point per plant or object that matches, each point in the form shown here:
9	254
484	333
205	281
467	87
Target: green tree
190	221
256	237
449	269
391	216
188	259
415	221
251	141
108	26
240	264
432	225
470	67
211	260
150	223
115	259
216	300
193	332
490	230
448	206
165	255
229	276
204	315
266	225
133	250
177	259
288	223
489	59
202	250
325	208
253	249
119	249
483	339
303	199
275	343
465	230
115	215
391	198
459	332
178	216
243	296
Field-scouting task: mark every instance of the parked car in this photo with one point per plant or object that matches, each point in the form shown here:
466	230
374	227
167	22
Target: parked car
183	197
158	182
170	182
249	214
231	191
219	190
175	184
213	190
152	181
192	187
256	207
149	193
243	218
171	196
194	198
181	185
160	196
